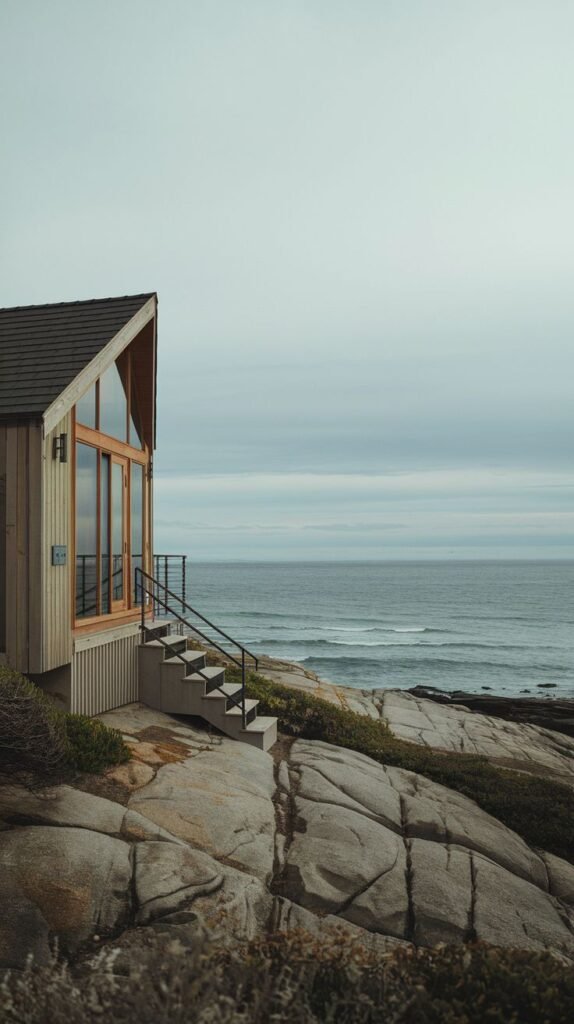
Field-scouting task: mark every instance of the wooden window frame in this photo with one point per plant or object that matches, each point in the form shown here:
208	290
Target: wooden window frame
107	445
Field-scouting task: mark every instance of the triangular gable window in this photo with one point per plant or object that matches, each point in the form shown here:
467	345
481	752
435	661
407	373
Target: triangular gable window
105	407
113	401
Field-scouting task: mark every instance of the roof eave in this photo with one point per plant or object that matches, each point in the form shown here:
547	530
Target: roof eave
20	417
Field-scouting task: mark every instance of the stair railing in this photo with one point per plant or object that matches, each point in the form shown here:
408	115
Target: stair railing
160	595
172	571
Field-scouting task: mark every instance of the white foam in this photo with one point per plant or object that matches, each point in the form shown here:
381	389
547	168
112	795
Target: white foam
348	629
367	643
409	629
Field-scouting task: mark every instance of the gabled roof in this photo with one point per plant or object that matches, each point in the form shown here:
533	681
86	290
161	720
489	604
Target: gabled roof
44	348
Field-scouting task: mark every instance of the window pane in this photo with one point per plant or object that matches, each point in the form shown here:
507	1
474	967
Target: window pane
105	534
117	531
86	530
113	402
86	408
136	431
137	492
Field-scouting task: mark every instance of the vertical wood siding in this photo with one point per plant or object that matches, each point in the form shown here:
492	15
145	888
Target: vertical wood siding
104	676
2	537
57	579
20	464
35	551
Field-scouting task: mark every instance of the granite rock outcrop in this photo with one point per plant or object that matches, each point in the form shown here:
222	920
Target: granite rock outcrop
204	831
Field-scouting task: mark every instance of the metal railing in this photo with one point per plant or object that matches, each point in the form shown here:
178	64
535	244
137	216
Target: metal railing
170	568
153	591
87	584
172	571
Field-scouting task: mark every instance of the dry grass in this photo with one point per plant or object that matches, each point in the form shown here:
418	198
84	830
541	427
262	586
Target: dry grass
295	979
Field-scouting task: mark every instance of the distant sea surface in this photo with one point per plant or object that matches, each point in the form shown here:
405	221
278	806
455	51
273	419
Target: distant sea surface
508	626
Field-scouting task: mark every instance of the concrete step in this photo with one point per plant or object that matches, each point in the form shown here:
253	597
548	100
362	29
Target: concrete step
185	662
164	624
153	652
225	716
211	676
234	711
168	642
223	690
183	694
228	711
261	733
151	655
177	681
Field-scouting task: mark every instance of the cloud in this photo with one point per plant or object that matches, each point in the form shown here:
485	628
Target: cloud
423	484
358	515
356	219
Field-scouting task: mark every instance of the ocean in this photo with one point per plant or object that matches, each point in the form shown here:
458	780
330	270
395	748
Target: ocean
506	626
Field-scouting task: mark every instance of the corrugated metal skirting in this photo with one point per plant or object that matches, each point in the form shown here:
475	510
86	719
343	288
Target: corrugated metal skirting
105	676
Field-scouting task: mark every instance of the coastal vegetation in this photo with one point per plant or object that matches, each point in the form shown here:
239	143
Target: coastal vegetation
93	746
295	977
39	743
539	809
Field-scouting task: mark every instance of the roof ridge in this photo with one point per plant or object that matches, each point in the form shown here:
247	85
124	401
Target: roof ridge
77	302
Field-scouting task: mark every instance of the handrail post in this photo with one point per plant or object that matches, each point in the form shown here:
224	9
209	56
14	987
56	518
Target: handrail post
243	715
141	595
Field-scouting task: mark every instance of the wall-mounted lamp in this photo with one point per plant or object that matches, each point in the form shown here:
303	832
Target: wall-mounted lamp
60	447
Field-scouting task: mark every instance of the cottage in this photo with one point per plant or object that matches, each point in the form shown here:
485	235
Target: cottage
79	601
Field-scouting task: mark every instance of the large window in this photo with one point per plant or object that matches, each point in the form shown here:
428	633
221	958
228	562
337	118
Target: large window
112	495
86	530
137	525
112	405
86	408
114	402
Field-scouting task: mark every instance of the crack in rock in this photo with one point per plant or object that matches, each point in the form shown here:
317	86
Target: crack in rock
286	822
470	935
357	806
344	906
409	876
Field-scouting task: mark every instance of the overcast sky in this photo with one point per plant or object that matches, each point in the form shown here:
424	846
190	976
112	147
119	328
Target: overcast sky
359	218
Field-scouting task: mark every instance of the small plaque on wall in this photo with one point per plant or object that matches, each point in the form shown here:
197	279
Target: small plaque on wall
58	554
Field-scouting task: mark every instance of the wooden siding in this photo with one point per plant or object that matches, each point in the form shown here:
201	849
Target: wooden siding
57	579
2	539
104	672
21	538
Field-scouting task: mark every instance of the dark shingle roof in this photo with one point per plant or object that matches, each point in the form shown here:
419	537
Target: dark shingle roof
43	348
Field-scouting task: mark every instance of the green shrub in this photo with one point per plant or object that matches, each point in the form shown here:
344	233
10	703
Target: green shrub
295	979
92	746
33	742
538	809
40	744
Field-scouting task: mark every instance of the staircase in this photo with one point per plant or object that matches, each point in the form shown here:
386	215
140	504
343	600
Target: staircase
177	681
